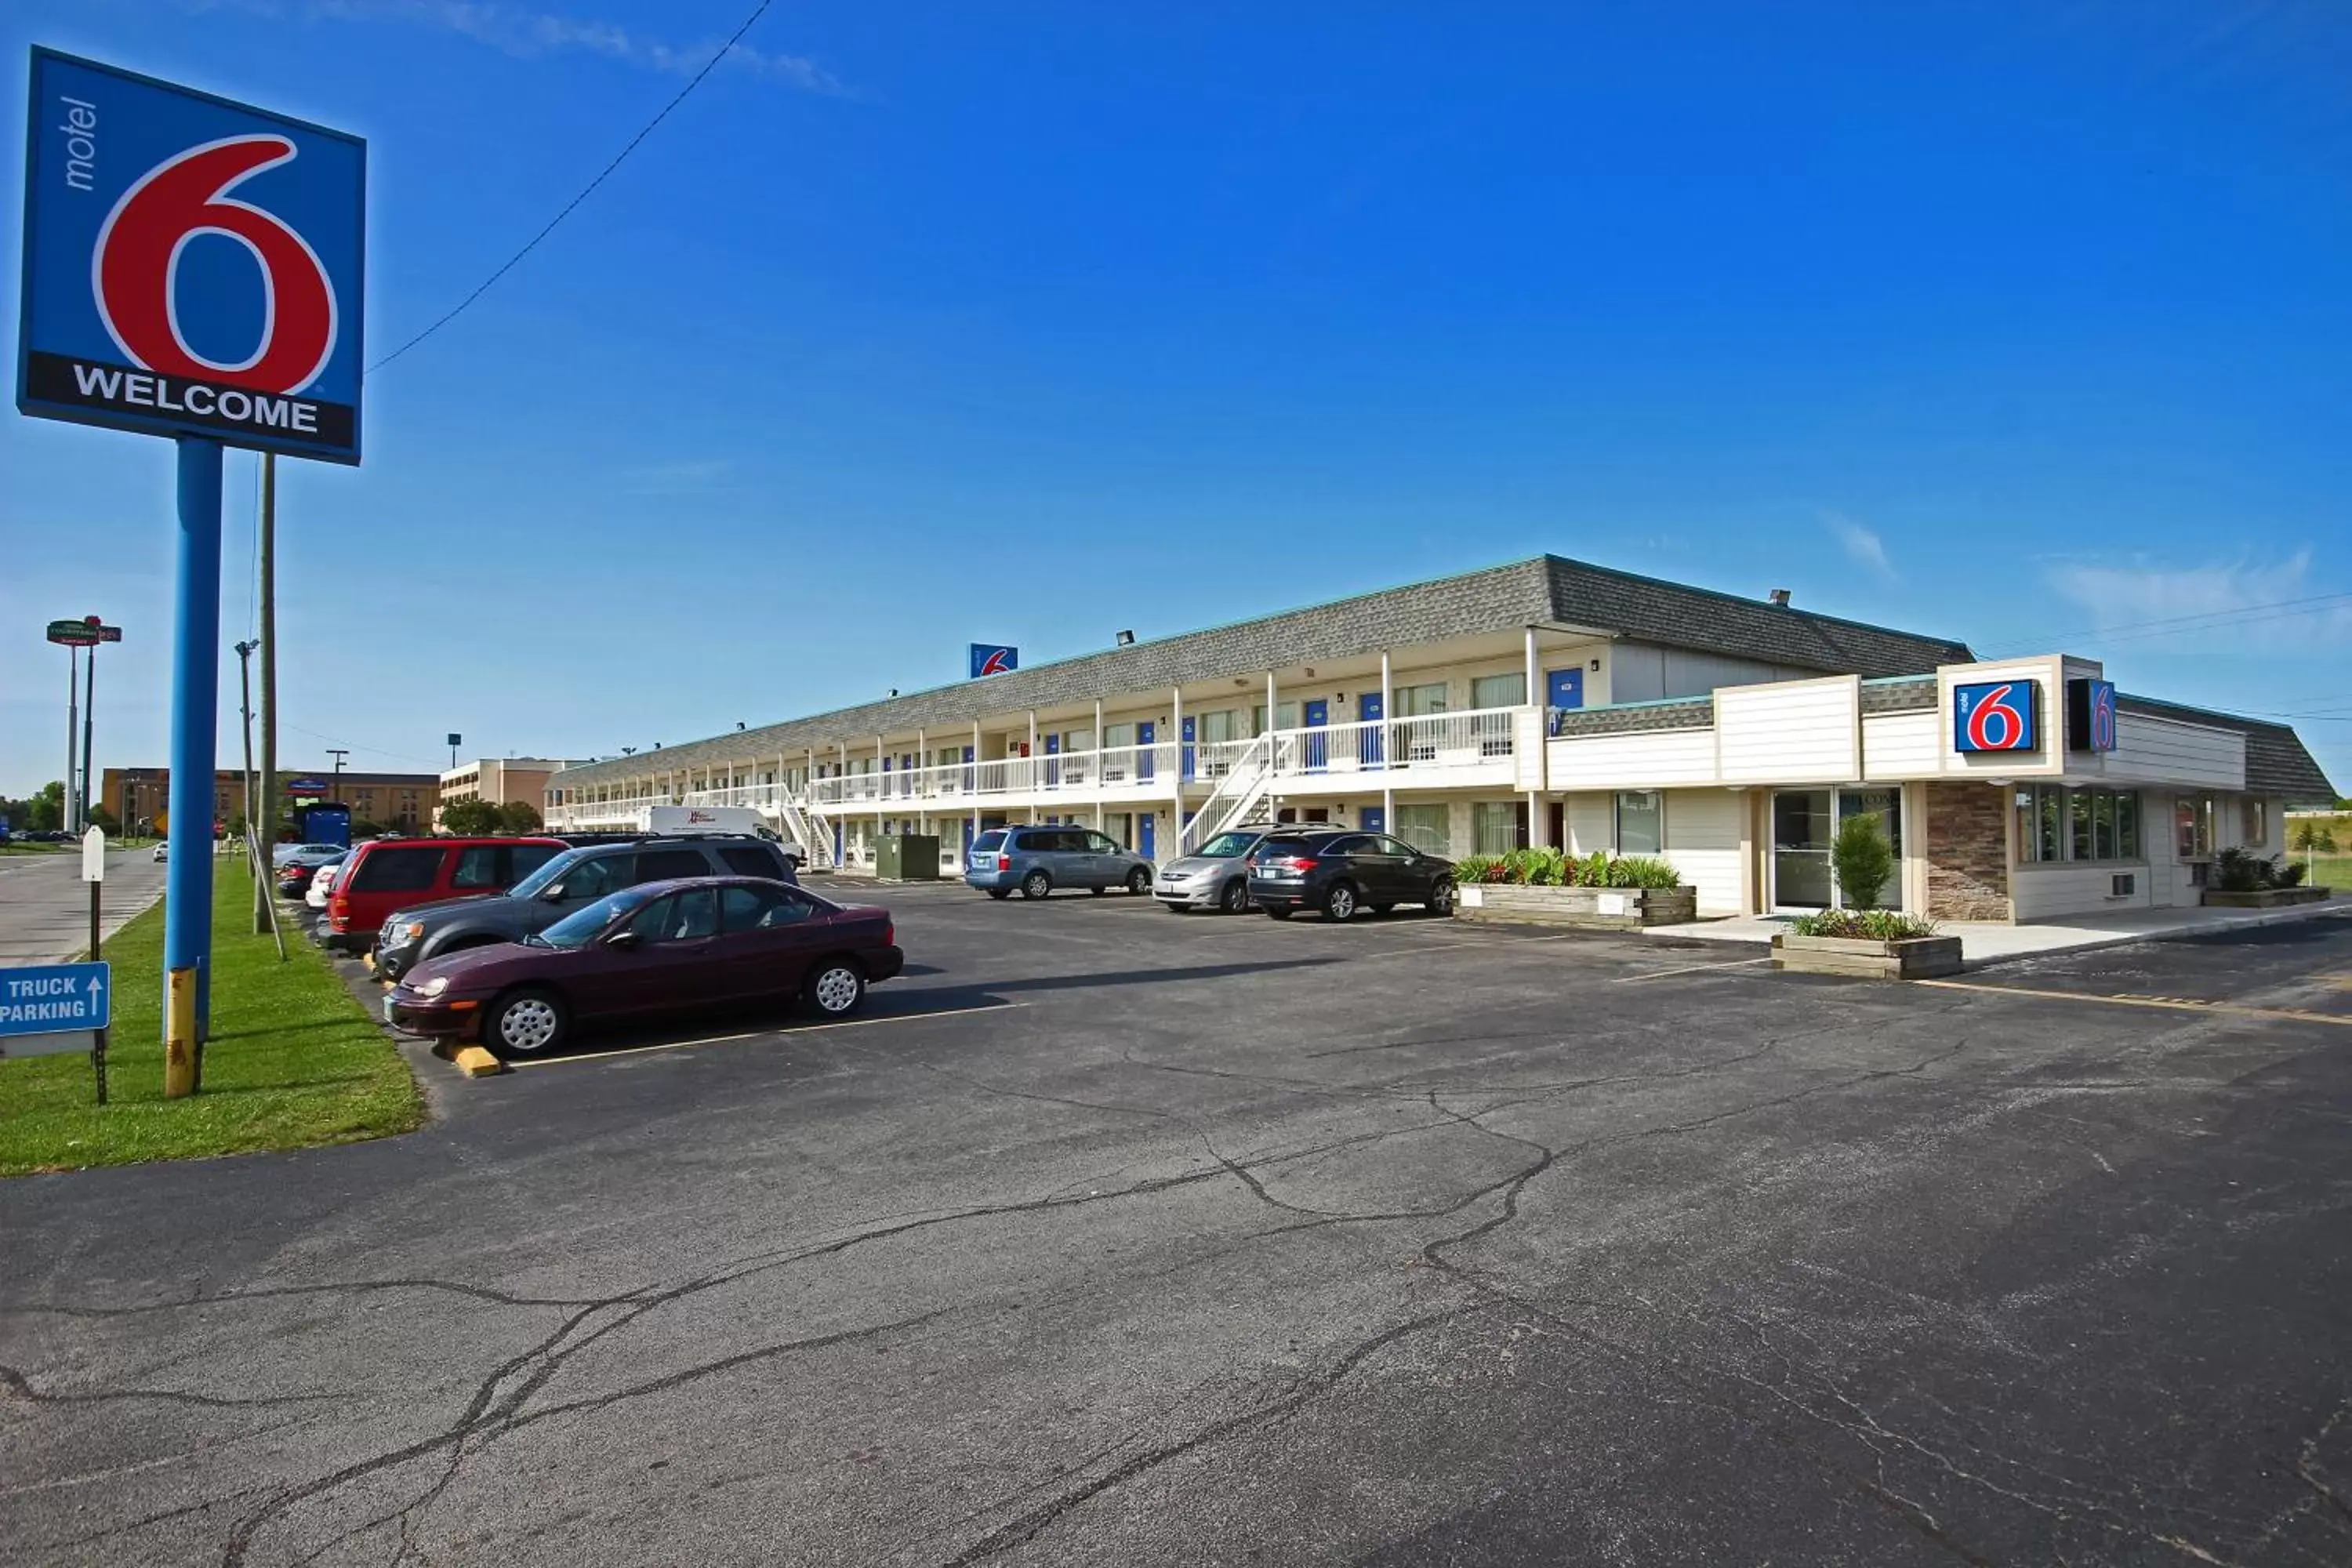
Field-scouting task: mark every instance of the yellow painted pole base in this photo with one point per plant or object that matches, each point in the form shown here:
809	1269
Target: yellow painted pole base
179	1035
476	1062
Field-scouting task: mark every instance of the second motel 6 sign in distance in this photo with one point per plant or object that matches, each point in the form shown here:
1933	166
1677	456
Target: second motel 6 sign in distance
192	266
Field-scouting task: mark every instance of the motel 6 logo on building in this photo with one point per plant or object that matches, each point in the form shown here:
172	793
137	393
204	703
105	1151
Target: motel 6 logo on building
192	266
1995	716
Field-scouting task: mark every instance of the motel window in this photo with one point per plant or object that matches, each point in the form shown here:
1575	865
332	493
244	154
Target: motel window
1425	828
1499	690
1219	726
1419	701
1641	822
1499	826
2254	821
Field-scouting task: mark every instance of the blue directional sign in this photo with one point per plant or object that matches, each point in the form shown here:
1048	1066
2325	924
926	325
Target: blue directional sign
192	264
54	999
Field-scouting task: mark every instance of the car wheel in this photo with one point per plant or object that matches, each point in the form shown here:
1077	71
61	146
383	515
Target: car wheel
1036	885
835	988
1139	882
1340	903
1000	892
1234	899
1441	897
525	1023
1277	911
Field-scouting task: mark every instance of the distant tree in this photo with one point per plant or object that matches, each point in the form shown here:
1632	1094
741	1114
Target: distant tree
469	819
104	821
46	812
364	829
520	817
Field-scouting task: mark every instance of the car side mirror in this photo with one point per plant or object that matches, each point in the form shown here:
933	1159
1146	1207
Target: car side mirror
551	894
623	939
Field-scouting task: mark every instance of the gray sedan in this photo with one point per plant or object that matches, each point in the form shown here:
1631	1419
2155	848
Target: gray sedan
1213	876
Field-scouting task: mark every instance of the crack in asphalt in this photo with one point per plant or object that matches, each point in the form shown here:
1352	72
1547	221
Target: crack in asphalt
1029	1525
15	1384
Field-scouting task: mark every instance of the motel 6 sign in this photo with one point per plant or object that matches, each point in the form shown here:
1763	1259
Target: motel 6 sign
192	266
1996	716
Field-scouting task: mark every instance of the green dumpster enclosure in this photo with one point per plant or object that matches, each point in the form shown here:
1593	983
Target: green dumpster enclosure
908	856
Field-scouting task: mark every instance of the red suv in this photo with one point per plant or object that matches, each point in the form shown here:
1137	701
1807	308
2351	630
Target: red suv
388	874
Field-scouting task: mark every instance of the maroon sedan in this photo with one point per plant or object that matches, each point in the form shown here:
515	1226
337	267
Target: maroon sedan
660	947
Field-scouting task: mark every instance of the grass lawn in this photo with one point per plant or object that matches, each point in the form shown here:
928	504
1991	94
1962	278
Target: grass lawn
293	1060
2327	870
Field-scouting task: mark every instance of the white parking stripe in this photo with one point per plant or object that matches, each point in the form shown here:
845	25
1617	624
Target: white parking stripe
1689	969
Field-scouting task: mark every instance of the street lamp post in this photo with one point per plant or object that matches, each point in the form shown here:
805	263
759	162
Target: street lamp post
335	790
245	686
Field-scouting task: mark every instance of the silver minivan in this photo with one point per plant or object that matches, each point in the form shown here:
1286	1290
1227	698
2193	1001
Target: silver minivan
1036	860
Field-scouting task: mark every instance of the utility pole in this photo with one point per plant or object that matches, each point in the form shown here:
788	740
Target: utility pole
245	686
263	916
73	733
335	791
89	724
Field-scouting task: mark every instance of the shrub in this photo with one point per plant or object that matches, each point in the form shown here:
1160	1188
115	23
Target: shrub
1478	869
2291	874
1869	925
1642	871
1863	859
2235	872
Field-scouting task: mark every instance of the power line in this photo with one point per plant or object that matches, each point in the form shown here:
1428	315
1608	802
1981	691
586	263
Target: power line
585	191
2182	623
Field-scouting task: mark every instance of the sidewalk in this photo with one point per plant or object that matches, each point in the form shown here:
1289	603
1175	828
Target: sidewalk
1982	943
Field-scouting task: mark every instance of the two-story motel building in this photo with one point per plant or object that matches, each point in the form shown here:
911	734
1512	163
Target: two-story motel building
1548	702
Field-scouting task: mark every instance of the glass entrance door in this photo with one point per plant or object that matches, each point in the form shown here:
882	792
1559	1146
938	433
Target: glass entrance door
1804	825
1801	828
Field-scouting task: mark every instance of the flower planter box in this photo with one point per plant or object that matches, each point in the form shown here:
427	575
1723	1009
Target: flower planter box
2265	898
1907	958
1596	909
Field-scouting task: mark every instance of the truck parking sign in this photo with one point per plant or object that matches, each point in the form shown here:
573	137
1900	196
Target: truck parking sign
192	266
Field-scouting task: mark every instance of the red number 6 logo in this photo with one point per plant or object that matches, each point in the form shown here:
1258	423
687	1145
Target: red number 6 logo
1996	705
136	265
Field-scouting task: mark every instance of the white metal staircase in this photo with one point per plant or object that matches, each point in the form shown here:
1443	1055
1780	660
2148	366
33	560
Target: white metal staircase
806	826
1238	793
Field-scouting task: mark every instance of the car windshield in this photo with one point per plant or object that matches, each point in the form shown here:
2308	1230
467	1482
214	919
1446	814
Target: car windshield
530	886
584	926
1226	845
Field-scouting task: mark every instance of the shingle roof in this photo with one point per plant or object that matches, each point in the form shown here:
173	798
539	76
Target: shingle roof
2276	762
1546	589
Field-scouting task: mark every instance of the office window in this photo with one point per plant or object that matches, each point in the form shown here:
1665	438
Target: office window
1498	826
2078	826
1641	822
2192	823
1425	828
1499	690
2128	825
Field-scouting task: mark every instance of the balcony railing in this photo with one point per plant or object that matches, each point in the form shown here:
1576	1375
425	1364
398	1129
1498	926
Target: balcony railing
1430	750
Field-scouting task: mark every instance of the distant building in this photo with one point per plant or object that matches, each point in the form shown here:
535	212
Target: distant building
501	781
402	802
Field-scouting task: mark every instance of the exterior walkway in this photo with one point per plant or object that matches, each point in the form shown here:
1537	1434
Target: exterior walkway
1982	943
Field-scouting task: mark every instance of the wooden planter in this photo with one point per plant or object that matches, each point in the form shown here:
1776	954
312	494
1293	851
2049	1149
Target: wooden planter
1909	958
2264	898
1596	909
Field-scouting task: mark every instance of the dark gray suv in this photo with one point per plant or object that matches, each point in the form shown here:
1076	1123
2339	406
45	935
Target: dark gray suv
573	881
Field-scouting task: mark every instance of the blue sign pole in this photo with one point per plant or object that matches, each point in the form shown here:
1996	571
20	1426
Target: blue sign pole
195	695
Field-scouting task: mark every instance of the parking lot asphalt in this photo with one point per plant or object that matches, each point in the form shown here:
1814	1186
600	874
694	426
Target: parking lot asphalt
1111	1237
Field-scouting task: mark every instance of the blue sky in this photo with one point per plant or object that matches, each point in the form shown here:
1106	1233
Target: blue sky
2026	325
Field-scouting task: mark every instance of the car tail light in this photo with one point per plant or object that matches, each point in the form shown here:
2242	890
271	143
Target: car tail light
889	934
1294	862
1004	862
339	906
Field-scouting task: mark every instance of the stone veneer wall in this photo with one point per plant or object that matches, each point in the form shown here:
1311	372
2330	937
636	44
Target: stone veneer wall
1968	853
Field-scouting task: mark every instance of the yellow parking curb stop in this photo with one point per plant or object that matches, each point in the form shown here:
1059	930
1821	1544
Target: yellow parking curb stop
476	1062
